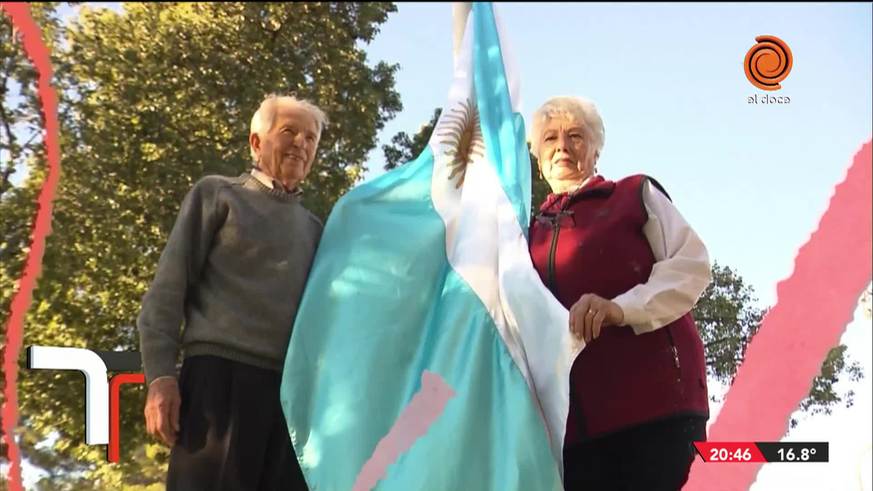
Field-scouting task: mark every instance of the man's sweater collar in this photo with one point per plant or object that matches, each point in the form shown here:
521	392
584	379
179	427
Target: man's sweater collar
273	184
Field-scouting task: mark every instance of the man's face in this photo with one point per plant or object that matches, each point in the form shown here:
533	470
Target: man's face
288	149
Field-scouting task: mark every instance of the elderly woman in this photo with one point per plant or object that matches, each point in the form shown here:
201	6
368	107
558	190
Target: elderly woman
629	268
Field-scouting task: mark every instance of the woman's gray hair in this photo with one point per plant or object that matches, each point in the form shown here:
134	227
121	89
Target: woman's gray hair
265	116
578	109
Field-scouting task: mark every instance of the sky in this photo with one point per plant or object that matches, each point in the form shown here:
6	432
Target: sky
668	80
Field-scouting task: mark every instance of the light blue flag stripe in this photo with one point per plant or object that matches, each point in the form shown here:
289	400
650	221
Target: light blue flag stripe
502	128
369	326
383	305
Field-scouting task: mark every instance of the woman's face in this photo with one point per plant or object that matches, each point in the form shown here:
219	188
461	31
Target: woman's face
564	156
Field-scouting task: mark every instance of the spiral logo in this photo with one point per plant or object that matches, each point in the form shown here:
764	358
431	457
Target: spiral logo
768	62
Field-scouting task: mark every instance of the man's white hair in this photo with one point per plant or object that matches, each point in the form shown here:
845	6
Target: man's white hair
265	116
578	109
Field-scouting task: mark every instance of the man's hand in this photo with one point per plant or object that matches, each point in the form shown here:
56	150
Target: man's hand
591	313
162	409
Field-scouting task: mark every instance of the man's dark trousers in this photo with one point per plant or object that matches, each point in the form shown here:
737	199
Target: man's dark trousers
232	434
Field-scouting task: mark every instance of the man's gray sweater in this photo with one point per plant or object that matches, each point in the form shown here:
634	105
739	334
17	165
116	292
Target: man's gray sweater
232	273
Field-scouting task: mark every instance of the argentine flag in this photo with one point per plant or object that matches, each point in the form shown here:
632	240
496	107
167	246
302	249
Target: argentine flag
426	353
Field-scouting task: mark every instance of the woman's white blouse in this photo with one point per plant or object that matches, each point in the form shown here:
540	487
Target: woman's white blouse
681	272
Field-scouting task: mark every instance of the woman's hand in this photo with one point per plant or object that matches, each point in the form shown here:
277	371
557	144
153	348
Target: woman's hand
591	313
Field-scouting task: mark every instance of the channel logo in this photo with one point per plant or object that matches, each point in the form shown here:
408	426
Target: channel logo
768	62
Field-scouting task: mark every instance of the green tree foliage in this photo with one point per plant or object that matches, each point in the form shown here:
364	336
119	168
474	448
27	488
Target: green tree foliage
404	149
21	147
725	313
20	110
727	319
154	98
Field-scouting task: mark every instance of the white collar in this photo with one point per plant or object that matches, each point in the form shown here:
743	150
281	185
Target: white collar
264	178
271	183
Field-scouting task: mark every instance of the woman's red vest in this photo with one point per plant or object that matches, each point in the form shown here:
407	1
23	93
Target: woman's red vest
592	241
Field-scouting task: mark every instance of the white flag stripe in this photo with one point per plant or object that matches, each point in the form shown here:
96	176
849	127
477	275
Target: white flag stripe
486	246
469	212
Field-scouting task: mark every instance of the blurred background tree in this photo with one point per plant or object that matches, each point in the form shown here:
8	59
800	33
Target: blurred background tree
152	98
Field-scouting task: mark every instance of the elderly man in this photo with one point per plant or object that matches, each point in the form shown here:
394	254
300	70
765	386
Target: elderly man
232	272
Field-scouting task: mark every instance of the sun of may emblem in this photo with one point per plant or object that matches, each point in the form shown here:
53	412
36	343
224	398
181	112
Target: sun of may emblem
460	129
